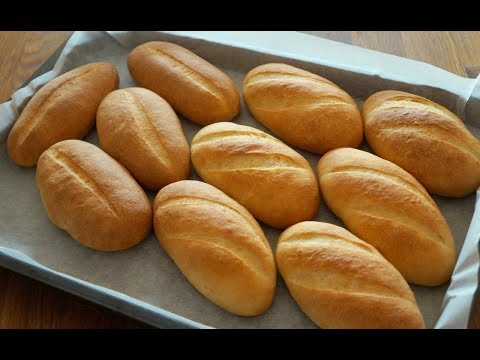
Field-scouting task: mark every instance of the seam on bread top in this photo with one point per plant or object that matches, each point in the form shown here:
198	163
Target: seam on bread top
42	108
397	179
394	215
247	257
304	104
307	236
349	293
185	200
405	102
221	135
197	78
330	268
146	127
254	161
435	134
82	176
285	77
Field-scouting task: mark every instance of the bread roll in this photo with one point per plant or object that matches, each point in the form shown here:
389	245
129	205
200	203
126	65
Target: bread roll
63	109
140	130
304	109
340	281
92	197
424	138
274	182
217	245
385	206
195	88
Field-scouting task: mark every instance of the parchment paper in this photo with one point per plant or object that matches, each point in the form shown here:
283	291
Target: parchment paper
144	277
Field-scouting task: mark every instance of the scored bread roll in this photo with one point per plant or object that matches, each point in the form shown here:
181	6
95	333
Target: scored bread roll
424	138
140	130
62	109
193	87
92	197
340	281
385	206
217	244
274	182
304	109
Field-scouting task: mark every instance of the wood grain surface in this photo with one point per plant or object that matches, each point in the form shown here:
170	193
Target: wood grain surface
26	303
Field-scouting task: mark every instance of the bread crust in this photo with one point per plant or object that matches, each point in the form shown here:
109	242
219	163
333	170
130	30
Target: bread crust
93	197
64	108
385	206
217	244
425	139
340	281
140	130
274	182
195	88
302	108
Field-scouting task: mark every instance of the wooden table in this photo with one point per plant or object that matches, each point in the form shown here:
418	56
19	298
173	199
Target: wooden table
26	303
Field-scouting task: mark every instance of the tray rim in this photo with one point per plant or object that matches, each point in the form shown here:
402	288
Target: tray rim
159	318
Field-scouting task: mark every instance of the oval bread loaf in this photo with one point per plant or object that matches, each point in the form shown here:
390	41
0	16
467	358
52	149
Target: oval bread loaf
424	138
385	206
340	281
195	88
217	245
304	109
64	108
274	182
140	130
92	197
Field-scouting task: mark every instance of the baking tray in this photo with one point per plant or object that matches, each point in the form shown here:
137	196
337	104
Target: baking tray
360	70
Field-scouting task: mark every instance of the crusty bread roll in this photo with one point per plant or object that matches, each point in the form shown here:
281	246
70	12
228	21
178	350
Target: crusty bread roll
63	109
340	281
274	182
195	88
140	130
92	197
304	109
424	138
217	245
385	206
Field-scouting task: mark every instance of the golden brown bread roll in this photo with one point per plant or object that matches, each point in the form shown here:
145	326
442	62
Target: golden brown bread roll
217	245
63	109
274	182
92	197
140	130
424	138
304	109
385	206
340	281
195	88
